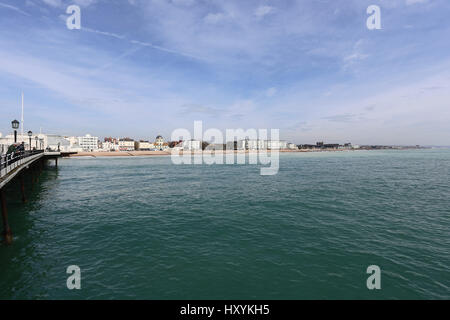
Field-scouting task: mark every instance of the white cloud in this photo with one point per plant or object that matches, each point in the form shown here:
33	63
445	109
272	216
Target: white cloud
84	3
271	92
410	2
53	3
186	3
263	11
7	6
61	4
214	18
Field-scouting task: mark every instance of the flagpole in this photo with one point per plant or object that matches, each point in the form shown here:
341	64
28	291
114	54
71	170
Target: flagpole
22	116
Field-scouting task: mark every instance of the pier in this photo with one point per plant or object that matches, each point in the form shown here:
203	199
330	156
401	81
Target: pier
16	166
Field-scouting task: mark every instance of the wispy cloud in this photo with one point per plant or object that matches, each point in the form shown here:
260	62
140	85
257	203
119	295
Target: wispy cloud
10	7
410	2
54	3
263	11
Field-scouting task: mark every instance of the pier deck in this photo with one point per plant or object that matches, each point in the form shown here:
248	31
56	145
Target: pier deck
10	167
16	165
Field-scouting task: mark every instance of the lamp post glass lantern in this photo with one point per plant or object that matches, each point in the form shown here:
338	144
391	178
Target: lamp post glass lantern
29	135
15	125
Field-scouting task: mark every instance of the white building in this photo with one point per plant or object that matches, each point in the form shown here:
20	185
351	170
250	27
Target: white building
8	140
276	144
192	145
73	144
252	144
126	144
159	143
256	144
56	142
88	143
144	145
110	146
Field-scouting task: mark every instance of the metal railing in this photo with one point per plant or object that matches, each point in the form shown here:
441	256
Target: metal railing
8	160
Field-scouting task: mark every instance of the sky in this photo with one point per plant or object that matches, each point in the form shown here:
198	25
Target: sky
310	68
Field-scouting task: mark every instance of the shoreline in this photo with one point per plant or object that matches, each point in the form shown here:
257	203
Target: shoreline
105	154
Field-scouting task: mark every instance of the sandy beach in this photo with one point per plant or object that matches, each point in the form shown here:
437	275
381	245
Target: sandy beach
120	154
168	153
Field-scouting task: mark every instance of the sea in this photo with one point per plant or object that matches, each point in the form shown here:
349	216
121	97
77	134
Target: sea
145	228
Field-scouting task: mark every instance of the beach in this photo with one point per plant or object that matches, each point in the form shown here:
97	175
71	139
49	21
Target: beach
96	154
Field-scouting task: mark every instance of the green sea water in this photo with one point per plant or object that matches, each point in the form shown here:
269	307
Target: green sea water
143	228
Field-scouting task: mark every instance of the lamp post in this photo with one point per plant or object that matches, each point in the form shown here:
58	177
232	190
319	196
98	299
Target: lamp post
36	139
15	126
29	136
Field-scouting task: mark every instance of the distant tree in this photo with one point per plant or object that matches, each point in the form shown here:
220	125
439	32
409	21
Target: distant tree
173	144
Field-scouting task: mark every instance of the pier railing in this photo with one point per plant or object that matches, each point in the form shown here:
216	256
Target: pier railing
9	162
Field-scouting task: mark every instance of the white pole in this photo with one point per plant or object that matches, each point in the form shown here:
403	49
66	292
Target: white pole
22	116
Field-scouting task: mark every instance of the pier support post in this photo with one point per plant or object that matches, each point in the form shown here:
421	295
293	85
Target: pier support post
56	162
22	188
32	178
37	172
6	229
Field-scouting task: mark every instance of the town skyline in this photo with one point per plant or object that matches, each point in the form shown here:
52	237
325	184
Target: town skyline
309	68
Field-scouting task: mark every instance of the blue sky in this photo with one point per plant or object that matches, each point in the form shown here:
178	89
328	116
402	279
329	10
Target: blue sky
310	68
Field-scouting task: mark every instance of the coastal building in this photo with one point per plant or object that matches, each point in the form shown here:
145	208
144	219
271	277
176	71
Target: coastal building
256	144
276	144
307	146
192	145
73	144
111	140
241	145
88	143
52	142
126	144
109	146
216	146
292	146
56	142
5	142
8	140
251	144
159	143
144	145
231	145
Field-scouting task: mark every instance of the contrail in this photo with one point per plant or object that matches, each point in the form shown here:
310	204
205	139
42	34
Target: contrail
127	53
144	44
8	6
